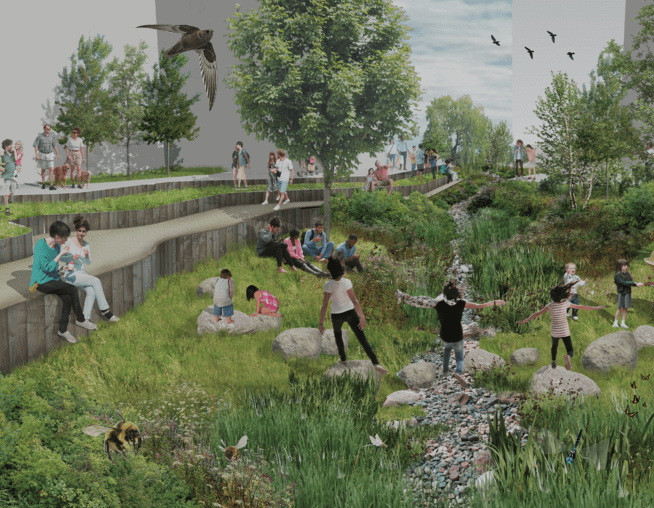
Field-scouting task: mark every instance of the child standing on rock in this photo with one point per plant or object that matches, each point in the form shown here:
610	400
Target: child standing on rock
450	307
222	297
624	282
560	296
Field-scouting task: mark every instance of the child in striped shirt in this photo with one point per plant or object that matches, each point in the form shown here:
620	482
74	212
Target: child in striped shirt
560	296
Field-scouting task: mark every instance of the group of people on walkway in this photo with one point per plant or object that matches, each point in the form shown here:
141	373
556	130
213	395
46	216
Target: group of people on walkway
75	253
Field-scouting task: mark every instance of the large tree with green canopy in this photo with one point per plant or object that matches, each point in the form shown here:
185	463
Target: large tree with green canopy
328	78
500	142
465	125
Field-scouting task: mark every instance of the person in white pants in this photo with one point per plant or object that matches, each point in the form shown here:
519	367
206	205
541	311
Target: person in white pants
75	273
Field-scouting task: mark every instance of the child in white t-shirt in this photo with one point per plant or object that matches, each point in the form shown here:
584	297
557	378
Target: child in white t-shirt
222	297
344	303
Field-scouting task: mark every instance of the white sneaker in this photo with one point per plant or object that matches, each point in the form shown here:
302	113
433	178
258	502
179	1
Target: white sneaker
276	208
67	335
86	324
624	325
287	201
615	324
575	318
265	202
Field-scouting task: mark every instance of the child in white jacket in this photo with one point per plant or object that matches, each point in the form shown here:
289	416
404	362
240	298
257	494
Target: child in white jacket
568	277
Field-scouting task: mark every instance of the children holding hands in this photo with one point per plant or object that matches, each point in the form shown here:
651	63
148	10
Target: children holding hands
222	297
560	296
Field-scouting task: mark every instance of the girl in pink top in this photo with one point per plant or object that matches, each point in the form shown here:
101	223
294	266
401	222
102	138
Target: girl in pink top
297	257
531	155
560	303
267	304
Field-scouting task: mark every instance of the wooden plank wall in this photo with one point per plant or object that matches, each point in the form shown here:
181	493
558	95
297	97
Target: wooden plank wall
28	330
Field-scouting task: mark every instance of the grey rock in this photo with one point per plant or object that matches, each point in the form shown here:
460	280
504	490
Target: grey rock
356	368
401	397
525	356
618	349
418	375
562	382
644	336
480	359
243	324
207	286
328	344
298	342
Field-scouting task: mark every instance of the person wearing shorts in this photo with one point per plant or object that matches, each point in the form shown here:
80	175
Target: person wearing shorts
381	177
75	154
45	148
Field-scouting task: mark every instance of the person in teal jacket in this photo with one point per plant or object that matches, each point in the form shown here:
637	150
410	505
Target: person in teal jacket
519	154
46	279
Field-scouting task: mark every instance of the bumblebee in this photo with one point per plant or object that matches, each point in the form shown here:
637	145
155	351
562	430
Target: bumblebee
117	437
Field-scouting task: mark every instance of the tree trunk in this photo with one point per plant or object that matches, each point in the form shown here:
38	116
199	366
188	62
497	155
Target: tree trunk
167	158
327	194
590	191
127	157
607	181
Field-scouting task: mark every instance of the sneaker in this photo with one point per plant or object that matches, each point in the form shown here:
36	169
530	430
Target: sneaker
567	362
461	381
79	186
554	365
265	202
110	317
624	325
615	324
381	369
276	208
43	187
286	201
87	324
52	187
575	318
67	335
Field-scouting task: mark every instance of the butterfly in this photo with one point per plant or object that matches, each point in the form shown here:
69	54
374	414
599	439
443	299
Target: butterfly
633	385
376	441
630	415
644	378
636	399
231	452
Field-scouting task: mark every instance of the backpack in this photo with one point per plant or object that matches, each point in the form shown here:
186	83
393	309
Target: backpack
304	234
246	155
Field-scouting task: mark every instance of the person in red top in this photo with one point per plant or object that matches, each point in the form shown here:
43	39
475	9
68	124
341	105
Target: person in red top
381	177
297	256
560	303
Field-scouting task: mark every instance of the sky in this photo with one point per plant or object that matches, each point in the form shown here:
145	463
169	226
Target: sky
451	50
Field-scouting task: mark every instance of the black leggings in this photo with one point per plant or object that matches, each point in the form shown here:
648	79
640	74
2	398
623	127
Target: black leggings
566	342
350	317
277	250
69	295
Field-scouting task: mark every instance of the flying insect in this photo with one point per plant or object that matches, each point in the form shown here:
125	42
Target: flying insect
116	437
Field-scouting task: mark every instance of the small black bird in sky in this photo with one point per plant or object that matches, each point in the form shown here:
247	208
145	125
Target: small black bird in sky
495	41
570	55
530	51
552	35
194	39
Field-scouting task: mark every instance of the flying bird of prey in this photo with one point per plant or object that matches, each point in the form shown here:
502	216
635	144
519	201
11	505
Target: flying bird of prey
570	55
194	39
495	41
552	35
530	51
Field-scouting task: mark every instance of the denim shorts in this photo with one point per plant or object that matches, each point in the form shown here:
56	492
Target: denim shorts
283	185
223	311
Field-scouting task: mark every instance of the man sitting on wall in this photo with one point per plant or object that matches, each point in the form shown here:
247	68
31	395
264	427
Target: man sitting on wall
381	177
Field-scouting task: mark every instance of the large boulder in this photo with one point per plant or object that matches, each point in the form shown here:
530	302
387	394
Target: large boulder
644	336
480	359
401	397
328	346
299	342
525	356
618	349
355	368
563	382
207	286
472	331
243	324
421	374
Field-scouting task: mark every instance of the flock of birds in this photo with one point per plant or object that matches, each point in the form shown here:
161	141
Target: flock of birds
531	51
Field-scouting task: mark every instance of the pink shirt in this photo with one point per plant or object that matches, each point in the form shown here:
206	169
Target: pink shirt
381	174
297	253
559	320
531	154
19	158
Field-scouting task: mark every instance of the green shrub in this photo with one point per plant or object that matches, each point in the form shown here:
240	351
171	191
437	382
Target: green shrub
519	198
638	205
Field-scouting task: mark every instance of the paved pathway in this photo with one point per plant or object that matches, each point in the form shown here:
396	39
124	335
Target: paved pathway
115	248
